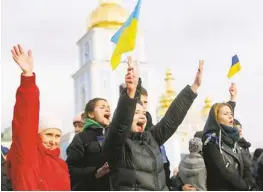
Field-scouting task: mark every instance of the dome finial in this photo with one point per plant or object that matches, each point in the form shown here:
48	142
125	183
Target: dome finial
207	107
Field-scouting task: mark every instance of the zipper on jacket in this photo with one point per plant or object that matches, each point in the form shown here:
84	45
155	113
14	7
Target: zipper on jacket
154	165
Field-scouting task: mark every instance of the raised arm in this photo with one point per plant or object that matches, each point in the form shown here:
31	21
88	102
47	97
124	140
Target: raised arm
123	117
26	110
177	111
233	96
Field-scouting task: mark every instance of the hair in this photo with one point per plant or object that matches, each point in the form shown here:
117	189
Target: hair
139	102
90	106
144	91
219	106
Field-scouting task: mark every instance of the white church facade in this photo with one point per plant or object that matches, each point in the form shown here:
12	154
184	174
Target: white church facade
95	77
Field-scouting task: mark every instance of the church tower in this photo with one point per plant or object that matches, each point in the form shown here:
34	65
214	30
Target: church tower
95	77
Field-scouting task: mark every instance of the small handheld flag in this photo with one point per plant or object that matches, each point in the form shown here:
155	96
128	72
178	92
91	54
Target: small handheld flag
235	67
125	37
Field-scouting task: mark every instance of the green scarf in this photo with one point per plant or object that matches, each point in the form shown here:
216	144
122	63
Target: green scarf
89	122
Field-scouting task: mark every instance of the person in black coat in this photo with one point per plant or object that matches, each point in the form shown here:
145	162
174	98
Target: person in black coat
244	144
134	154
166	162
259	177
6	184
254	167
226	168
87	165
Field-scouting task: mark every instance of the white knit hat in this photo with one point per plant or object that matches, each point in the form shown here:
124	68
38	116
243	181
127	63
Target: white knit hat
47	122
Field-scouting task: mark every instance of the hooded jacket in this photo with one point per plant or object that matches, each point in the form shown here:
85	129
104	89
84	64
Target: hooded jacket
192	171
135	158
85	157
225	166
31	166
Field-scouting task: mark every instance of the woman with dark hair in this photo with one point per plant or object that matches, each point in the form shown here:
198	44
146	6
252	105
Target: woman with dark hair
226	168
134	154
87	166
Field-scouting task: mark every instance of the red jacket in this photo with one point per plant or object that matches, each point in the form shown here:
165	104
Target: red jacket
30	165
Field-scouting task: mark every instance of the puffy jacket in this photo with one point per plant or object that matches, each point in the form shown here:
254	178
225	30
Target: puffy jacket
85	157
135	158
31	166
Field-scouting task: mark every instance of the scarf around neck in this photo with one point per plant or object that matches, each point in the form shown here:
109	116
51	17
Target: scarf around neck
230	135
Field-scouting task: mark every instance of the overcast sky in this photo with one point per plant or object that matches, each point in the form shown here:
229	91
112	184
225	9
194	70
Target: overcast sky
177	34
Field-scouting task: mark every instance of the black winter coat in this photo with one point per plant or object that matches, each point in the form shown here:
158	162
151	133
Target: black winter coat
244	147
166	165
5	181
226	168
135	158
260	173
85	157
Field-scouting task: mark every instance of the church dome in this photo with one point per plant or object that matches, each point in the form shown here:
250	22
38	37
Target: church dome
109	15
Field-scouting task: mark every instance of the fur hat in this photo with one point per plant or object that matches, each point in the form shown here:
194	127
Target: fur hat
47	122
195	145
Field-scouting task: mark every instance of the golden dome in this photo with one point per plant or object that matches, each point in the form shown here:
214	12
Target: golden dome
109	15
207	107
167	98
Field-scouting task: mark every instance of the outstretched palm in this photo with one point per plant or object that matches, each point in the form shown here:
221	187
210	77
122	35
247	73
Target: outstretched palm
24	60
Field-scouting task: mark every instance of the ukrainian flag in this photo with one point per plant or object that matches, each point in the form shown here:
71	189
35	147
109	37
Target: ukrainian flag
125	37
235	67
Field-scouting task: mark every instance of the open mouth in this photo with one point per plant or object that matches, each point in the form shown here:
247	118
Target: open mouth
107	116
140	124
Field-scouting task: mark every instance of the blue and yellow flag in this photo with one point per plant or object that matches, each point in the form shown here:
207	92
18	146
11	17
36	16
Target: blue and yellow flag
235	67
125	37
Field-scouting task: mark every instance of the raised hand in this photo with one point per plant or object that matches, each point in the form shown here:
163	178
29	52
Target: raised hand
24	60
131	78
198	77
233	92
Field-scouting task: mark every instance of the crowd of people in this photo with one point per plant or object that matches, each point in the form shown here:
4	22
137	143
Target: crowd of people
124	150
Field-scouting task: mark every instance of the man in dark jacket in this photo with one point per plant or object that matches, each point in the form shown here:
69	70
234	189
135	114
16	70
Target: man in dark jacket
134	154
5	181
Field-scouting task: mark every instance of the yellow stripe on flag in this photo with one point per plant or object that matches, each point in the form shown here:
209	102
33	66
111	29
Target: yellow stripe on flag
234	69
125	44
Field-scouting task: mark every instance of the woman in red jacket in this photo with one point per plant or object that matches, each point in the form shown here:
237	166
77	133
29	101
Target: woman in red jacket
33	162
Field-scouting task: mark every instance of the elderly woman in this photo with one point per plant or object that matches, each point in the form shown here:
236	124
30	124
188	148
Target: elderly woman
33	161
